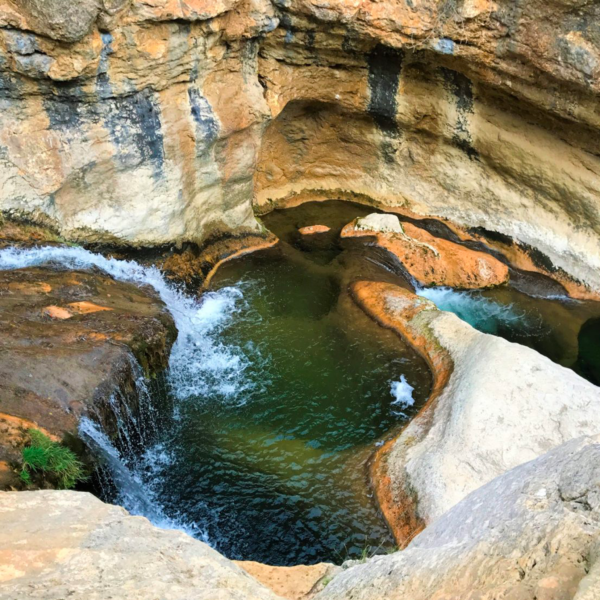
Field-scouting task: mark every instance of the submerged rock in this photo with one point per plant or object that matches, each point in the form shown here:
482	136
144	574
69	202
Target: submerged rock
532	533
494	405
70	340
57	545
432	261
313	229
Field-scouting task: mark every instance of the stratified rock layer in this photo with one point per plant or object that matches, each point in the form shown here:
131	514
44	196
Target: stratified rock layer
147	123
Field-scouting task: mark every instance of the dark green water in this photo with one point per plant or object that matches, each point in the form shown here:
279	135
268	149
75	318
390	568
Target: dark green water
268	452
566	331
272	414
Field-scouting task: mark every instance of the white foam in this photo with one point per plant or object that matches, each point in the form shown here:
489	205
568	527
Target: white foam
136	482
199	365
402	392
480	312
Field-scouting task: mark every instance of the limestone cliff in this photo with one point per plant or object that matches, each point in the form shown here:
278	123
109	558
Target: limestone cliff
158	121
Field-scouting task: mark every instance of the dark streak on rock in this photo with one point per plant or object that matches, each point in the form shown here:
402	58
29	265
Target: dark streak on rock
461	88
135	127
207	127
385	65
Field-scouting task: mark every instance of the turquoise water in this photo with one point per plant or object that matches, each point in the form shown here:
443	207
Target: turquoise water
564	330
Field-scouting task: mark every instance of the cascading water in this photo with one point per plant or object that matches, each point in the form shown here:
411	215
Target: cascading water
198	364
253	431
197	361
477	310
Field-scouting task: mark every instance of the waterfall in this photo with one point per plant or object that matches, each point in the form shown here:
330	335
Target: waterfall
199	366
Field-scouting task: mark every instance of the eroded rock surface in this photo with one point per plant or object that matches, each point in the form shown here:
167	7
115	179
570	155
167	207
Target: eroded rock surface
147	123
494	405
57	545
301	582
69	341
532	533
430	260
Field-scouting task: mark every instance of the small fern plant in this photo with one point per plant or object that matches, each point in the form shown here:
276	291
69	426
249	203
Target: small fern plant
52	460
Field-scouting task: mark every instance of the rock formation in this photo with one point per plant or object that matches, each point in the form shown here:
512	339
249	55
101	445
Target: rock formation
155	123
158	122
69	544
494	405
71	340
313	230
532	533
430	260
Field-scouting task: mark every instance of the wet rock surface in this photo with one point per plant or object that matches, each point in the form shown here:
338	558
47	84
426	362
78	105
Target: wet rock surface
72	339
313	229
430	260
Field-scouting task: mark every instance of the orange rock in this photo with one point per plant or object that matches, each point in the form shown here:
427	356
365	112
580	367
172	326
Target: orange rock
56	312
399	310
30	288
84	308
247	248
520	256
13	427
434	261
293	583
312	229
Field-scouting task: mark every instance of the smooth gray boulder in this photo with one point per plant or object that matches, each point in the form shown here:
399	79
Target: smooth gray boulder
504	405
56	545
531	534
384	223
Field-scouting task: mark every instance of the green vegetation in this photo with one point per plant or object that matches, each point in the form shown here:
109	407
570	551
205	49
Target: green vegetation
55	462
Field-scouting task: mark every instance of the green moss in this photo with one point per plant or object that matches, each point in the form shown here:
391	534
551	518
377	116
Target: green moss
50	461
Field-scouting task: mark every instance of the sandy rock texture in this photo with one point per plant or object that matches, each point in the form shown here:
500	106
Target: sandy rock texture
147	123
494	405
131	122
57	545
530	534
301	582
70	341
429	260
